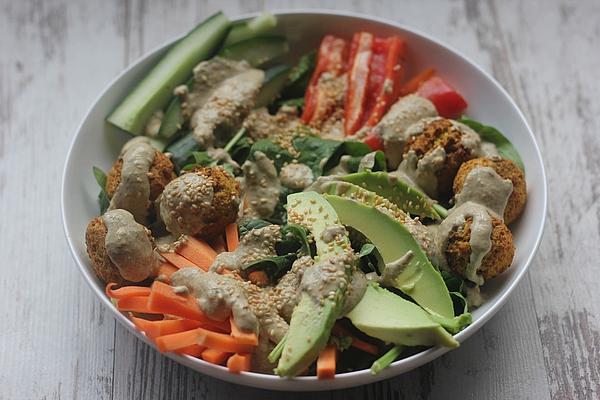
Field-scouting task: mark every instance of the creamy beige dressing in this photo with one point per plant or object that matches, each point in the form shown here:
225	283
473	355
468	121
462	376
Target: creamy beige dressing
255	245
153	124
392	127
333	232
208	76
261	186
343	168
260	358
423	172
484	186
227	107
129	246
286	290
296	176
169	243
355	291
223	157
133	191
480	240
395	268
219	296
367	162
184	203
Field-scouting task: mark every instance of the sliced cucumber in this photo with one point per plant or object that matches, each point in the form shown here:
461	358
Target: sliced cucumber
182	149
155	90
257	26
257	51
173	120
275	79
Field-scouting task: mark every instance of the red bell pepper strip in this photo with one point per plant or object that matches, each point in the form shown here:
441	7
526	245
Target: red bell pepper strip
359	66
448	102
331	59
387	71
375	142
414	83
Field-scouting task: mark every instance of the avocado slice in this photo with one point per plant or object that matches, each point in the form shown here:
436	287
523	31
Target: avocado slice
405	196
388	317
419	279
314	316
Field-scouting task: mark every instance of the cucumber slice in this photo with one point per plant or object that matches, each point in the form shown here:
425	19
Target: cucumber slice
182	149
155	90
257	51
257	26
172	121
275	79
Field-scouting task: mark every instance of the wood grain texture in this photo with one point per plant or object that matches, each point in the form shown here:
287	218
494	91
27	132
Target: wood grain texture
59	342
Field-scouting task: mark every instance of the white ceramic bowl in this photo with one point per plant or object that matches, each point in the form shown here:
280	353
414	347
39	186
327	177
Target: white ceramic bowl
96	143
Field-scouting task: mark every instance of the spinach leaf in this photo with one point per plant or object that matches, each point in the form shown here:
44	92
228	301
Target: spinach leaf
251	224
341	342
241	150
274	152
453	282
321	155
493	135
275	267
103	200
366	249
300	76
294	240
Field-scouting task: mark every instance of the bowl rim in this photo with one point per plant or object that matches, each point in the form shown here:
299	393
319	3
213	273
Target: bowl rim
342	380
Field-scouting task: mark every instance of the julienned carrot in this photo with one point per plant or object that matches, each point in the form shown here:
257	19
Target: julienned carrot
218	244
413	84
165	270
198	252
231	234
154	329
326	363
239	363
135	304
259	278
214	356
126	291
194	350
242	337
177	260
203	337
164	300
356	342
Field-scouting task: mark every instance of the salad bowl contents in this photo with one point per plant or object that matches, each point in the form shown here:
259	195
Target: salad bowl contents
307	215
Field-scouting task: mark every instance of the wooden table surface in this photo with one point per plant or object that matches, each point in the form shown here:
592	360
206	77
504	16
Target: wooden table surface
58	341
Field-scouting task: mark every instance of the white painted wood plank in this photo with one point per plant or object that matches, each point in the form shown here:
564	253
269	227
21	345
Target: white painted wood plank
58	55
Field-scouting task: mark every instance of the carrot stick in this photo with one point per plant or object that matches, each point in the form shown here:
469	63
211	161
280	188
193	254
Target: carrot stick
135	304
214	356
412	85
259	278
198	252
242	337
203	337
232	236
154	329
166	270
239	362
326	362
126	291
356	342
218	243
177	260
194	350
164	300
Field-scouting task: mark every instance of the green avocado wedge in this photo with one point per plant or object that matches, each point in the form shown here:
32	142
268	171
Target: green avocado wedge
388	317
312	319
395	190
419	279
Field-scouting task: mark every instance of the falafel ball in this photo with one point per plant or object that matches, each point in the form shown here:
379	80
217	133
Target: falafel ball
161	173
496	261
507	170
95	237
447	134
200	202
